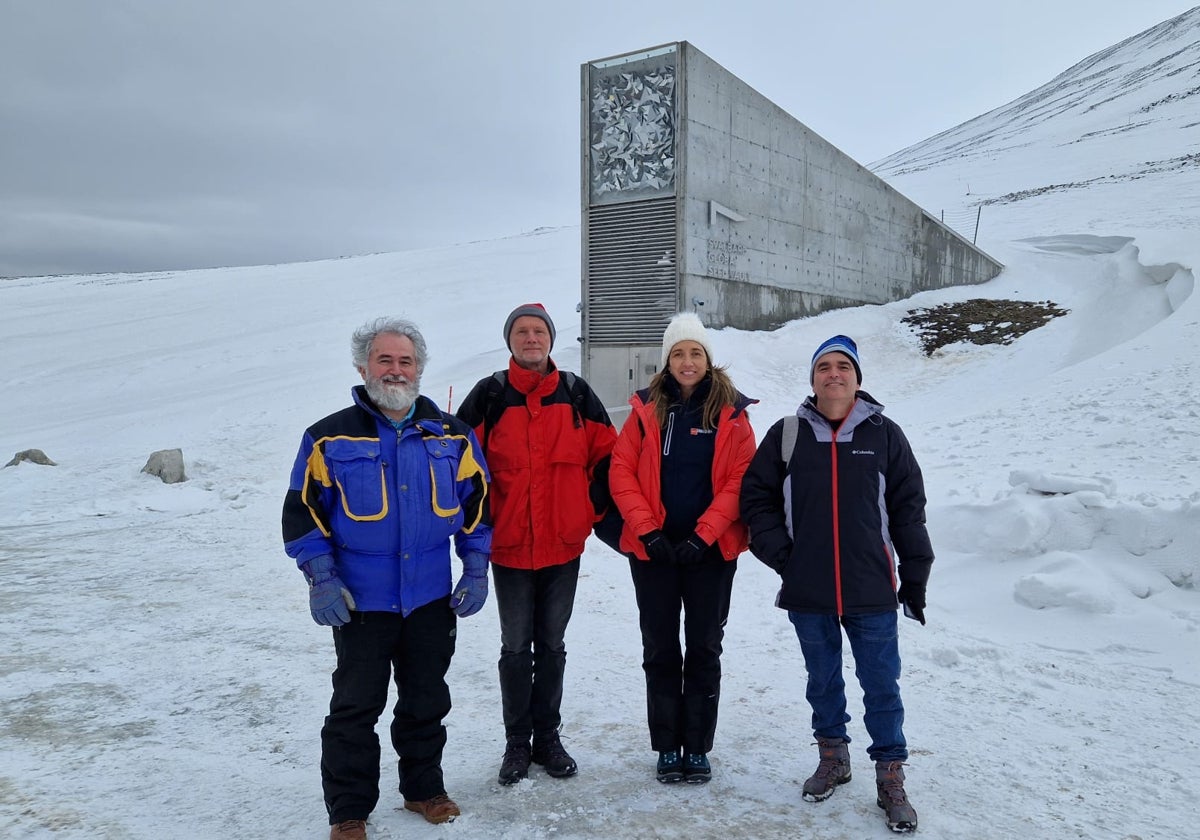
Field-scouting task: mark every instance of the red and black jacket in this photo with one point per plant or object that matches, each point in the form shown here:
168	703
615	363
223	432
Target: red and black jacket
543	442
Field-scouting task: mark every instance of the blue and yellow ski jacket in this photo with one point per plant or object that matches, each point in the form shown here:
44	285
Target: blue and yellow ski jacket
384	503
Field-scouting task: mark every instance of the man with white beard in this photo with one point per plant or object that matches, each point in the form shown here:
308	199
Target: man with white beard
376	493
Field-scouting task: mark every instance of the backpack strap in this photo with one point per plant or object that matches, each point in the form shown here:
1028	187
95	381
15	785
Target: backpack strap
577	395
787	443
494	402
493	405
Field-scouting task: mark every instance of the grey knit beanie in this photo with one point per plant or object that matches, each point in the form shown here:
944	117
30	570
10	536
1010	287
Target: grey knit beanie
534	309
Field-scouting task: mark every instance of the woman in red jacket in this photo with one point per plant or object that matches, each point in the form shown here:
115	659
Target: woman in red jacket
676	473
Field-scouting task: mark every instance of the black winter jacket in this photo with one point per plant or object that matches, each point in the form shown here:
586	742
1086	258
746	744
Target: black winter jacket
832	522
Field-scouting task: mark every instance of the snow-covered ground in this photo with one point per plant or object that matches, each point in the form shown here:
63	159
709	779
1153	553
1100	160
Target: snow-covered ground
161	676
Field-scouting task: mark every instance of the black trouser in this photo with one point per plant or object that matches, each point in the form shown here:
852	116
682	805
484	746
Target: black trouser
535	607
369	647
682	689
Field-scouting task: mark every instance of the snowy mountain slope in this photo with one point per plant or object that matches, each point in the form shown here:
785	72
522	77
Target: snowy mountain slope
1067	149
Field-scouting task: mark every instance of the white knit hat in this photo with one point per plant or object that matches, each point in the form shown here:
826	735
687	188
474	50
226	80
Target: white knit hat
686	326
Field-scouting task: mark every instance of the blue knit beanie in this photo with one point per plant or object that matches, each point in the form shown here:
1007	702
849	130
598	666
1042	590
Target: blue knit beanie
838	344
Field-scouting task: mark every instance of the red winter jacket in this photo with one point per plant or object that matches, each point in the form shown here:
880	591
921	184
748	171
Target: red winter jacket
635	478
541	452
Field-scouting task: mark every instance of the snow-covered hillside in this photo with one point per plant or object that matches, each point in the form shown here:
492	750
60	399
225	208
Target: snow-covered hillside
161	676
1126	118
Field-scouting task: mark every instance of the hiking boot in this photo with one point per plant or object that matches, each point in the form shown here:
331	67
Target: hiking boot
696	769
833	770
436	809
670	767
515	765
889	782
348	830
548	751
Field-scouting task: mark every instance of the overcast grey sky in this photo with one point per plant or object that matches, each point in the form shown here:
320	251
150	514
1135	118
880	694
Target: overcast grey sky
143	134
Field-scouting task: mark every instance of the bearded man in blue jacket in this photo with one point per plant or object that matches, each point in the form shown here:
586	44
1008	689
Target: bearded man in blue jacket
835	503
376	494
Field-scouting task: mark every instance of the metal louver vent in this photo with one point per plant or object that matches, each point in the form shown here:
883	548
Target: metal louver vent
632	288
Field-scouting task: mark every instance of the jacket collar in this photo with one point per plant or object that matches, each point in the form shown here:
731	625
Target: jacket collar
532	383
641	402
864	406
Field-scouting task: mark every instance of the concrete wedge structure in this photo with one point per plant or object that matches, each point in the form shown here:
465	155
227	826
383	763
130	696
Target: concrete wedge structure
698	193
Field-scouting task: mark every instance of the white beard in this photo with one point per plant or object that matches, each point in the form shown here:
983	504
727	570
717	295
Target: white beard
393	393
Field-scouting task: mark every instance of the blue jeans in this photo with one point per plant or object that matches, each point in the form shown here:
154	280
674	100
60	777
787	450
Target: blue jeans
875	645
535	607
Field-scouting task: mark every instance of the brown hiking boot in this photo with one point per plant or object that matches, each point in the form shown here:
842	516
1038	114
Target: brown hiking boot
436	809
833	770
889	780
348	830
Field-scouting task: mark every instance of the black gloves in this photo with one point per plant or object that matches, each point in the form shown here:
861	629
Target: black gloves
658	547
691	551
912	596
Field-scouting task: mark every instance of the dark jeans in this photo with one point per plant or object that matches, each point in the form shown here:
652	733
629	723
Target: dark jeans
535	607
369	647
876	648
682	689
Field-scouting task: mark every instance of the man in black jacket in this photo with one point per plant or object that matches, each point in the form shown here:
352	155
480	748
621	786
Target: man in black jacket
833	498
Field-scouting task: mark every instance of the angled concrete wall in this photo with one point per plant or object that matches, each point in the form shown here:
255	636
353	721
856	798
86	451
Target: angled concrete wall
700	194
778	224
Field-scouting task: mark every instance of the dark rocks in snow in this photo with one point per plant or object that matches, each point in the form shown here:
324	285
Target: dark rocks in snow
33	456
166	464
980	321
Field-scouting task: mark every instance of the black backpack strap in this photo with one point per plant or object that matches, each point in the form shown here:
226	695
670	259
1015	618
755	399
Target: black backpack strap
493	404
577	394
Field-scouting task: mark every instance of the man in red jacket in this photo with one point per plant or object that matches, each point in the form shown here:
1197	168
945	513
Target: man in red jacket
546	437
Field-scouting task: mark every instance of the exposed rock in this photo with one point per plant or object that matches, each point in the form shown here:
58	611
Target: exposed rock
167	464
34	456
980	321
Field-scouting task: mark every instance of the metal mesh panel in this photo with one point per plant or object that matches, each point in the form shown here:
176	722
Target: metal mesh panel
632	286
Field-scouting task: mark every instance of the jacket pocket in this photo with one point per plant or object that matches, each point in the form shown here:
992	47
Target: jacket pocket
573	506
357	471
443	459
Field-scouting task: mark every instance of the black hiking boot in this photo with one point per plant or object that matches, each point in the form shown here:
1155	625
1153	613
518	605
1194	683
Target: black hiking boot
515	765
549	752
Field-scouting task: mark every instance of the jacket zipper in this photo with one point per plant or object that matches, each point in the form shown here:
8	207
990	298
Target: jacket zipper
837	540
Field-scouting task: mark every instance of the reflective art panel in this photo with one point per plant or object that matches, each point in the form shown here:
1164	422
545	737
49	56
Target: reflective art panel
631	129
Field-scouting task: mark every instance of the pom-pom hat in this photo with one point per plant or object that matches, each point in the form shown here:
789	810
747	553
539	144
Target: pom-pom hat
535	310
838	344
686	326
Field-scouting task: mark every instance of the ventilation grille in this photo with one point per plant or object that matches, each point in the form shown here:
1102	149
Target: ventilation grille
631	272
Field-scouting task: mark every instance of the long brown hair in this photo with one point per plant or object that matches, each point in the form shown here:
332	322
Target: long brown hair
721	394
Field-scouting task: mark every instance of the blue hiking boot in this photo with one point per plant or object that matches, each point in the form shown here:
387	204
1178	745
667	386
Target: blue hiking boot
670	767
696	770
